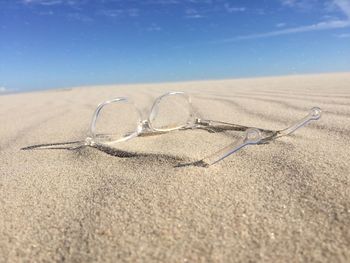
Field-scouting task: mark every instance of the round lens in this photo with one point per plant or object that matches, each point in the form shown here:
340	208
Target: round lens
115	120
170	112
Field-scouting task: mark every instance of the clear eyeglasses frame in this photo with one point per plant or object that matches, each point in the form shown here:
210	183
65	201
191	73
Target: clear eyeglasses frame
177	114
142	127
146	127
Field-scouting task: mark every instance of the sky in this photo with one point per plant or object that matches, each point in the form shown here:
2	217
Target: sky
62	43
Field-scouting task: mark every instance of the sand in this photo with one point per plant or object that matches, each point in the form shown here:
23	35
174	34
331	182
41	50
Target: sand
288	201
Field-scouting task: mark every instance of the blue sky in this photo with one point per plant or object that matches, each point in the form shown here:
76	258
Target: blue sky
61	43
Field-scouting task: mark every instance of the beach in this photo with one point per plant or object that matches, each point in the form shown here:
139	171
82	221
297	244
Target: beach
286	201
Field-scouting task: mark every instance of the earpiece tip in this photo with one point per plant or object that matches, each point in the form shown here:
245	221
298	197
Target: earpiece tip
253	135
315	113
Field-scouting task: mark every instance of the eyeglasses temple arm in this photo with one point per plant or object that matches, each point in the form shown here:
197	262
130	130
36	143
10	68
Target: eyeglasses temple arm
224	126
314	114
252	136
255	136
57	146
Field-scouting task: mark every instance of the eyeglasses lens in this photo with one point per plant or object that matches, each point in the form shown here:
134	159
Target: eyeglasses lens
117	121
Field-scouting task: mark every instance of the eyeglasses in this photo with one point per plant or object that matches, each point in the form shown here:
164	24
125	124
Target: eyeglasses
119	120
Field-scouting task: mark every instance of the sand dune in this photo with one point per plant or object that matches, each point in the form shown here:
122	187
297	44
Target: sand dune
287	201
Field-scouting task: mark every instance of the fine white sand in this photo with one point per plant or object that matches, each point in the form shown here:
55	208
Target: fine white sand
287	201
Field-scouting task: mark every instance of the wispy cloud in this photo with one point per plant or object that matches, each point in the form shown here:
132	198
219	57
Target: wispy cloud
154	27
53	2
80	17
314	27
200	1
46	13
3	89
344	35
342	5
43	2
233	9
133	12
163	2
193	13
279	25
300	4
110	12
113	13
288	2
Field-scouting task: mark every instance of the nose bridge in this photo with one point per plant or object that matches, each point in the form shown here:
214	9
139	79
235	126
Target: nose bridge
145	125
144	110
